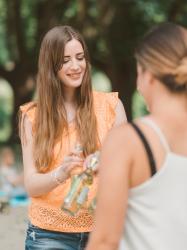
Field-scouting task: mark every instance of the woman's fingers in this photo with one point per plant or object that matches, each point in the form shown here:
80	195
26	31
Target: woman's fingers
87	161
71	163
73	158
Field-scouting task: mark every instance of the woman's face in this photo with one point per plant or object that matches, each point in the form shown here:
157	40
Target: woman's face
139	80
73	69
144	83
144	78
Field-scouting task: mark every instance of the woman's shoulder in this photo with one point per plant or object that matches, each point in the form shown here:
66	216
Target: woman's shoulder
122	137
29	106
123	131
29	109
105	96
105	106
106	100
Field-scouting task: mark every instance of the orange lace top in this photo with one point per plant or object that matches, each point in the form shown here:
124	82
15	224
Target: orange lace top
45	211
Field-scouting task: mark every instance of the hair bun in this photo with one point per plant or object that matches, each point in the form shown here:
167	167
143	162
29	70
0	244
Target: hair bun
181	72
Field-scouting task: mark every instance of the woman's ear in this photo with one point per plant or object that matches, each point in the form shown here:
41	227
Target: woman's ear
150	77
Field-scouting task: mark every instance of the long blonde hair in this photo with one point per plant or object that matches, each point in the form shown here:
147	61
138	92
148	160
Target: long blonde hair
163	51
50	119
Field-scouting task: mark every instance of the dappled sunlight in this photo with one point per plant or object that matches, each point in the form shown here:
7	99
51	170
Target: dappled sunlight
101	82
6	109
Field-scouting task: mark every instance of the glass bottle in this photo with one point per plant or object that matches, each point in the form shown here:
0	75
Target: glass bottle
92	205
80	186
78	150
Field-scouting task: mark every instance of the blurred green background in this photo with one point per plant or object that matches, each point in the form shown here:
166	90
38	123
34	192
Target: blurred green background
110	28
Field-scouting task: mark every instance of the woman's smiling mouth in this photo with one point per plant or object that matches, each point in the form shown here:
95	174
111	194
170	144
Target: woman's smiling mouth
74	75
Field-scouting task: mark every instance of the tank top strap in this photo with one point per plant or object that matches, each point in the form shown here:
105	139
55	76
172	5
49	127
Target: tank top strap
158	131
147	148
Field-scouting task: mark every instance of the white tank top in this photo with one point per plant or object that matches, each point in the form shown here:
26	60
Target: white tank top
156	217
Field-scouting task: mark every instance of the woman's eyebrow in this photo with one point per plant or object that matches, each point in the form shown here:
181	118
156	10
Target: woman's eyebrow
78	54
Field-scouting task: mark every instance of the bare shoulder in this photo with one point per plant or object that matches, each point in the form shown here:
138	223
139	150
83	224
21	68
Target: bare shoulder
121	133
120	138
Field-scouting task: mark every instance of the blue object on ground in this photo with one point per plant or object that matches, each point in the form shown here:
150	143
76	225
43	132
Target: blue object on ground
18	201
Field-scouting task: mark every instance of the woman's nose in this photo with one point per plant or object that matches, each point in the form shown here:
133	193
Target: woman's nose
74	64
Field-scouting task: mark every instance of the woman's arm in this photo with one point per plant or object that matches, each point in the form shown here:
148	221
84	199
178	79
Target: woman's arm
112	192
120	114
36	183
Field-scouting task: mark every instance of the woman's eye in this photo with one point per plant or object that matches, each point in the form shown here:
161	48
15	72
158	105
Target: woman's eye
80	58
65	61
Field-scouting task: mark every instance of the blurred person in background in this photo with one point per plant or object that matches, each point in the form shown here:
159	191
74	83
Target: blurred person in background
148	175
66	113
11	184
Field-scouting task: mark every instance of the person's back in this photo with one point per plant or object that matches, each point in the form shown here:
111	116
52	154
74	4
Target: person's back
148	174
156	213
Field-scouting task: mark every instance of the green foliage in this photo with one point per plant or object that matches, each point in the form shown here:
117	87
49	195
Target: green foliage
138	106
3	116
3	48
6	102
29	21
112	30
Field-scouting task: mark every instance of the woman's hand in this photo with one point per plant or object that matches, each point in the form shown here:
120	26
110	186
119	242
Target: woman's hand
71	165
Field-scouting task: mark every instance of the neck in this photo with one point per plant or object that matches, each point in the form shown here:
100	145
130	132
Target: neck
170	108
69	95
70	103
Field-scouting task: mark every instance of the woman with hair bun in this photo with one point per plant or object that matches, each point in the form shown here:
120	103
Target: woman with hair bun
66	114
147	208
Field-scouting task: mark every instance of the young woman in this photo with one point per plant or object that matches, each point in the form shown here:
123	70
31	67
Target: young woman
142	196
66	113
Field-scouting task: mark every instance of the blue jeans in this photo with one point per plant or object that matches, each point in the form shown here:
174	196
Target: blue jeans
40	239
